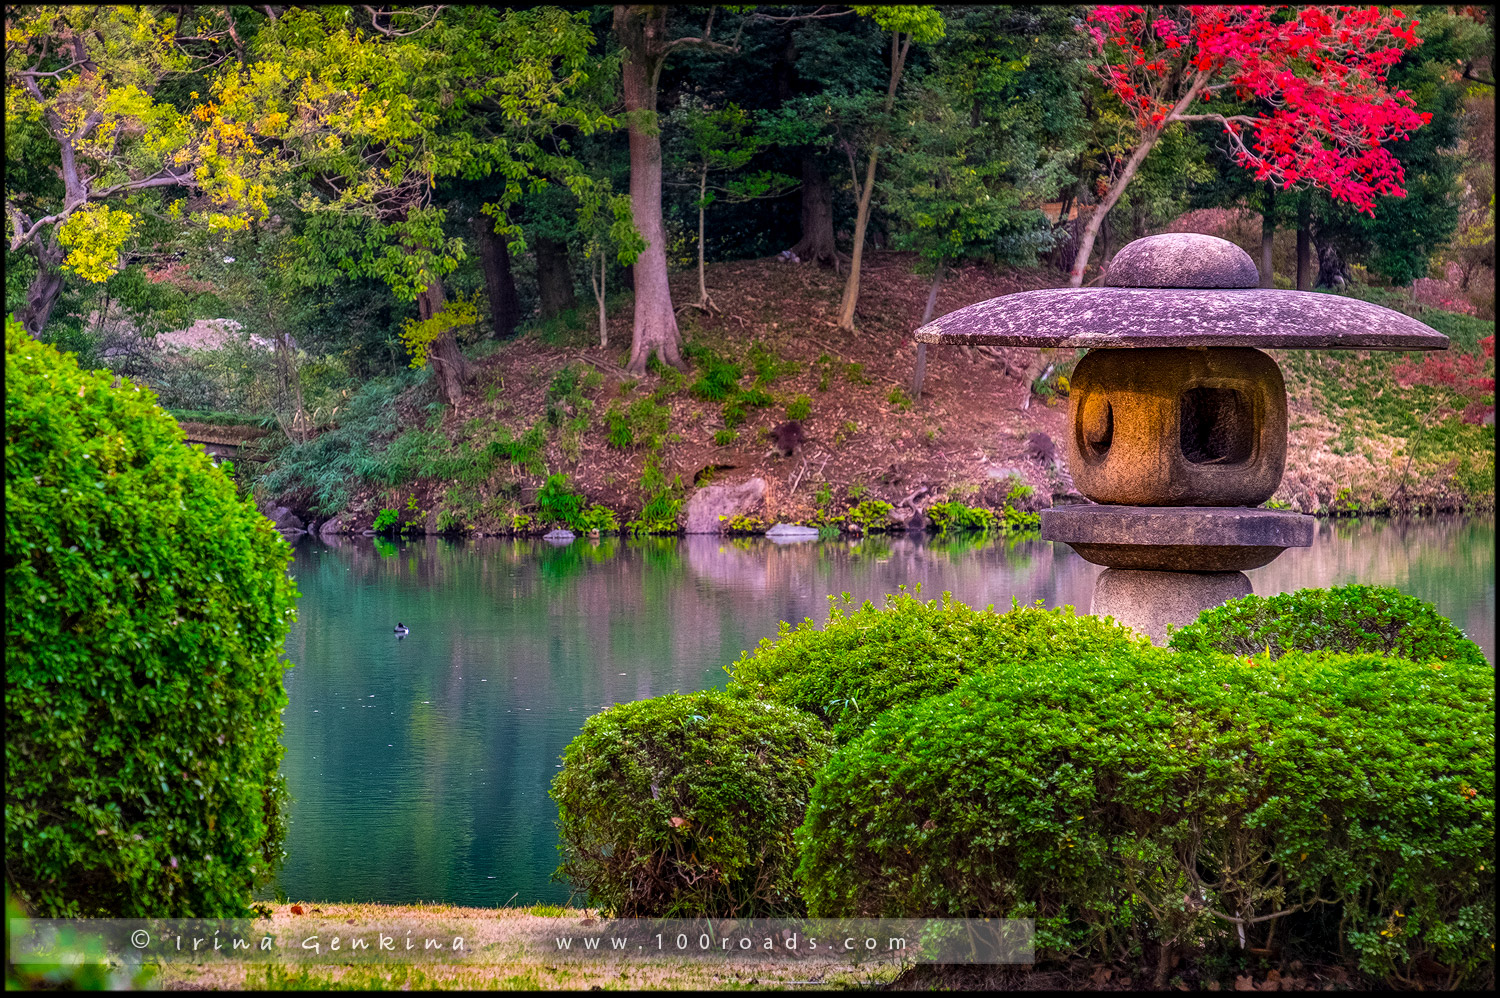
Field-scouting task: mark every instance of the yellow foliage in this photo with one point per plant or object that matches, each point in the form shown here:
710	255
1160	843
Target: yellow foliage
418	335
93	236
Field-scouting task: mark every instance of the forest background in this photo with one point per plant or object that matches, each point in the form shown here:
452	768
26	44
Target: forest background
489	270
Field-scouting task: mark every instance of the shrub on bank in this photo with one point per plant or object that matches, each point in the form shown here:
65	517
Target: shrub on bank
1153	799
684	805
1346	618
864	661
146	607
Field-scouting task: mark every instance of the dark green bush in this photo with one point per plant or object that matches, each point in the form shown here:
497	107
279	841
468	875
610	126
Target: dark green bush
1345	618
684	805
146	607
1144	795
867	660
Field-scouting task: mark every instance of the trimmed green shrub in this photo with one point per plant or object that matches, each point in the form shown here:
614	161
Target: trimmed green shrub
1345	618
866	660
1146	796
684	805
146	608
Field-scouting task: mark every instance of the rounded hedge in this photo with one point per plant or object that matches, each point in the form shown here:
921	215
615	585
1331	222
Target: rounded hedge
684	805
864	661
146	607
1351	618
1147	795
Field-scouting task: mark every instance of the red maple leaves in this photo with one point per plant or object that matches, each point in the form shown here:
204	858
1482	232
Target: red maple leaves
1464	373
1318	74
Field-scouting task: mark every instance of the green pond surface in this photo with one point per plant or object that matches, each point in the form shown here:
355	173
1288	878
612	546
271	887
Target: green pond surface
419	766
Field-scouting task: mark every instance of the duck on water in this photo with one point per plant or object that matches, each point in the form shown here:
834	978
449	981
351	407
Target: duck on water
402	630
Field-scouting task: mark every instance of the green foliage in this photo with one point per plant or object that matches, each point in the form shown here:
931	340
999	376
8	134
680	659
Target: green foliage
146	608
874	515
757	398
733	414
743	524
684	805
1354	618
719	380
1017	521
663	501
559	501
1356	783
723	438
865	661
643	421
799	408
823	495
386	521
898	398
597	517
74	962
319	473
956	516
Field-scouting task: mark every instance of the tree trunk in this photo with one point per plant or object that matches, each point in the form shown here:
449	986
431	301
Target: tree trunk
1101	210
1105	231
1332	271
703	301
554	277
1267	237
1304	247
599	297
499	282
817	243
643	33
45	288
1148	140
921	369
865	193
861	221
447	361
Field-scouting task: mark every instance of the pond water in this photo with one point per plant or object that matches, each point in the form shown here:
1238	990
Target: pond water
419	767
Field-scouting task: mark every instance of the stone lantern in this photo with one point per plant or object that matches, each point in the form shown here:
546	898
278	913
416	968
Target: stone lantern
1178	421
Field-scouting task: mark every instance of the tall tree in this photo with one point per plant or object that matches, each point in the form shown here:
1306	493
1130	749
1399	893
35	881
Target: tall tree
1323	68
709	142
385	110
643	32
87	130
947	188
906	25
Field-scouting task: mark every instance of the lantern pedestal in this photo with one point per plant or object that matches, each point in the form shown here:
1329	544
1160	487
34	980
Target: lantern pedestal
1149	601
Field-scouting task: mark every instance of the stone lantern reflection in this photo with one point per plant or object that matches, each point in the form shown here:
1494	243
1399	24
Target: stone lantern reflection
1178	421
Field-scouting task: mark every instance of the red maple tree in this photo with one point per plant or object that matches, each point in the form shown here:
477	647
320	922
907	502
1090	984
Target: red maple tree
1318	73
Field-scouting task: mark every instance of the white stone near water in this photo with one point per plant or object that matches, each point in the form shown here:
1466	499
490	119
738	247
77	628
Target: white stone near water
784	533
558	536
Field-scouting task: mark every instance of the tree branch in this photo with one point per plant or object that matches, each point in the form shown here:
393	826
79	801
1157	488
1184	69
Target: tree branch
375	16
34	74
1252	921
814	16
